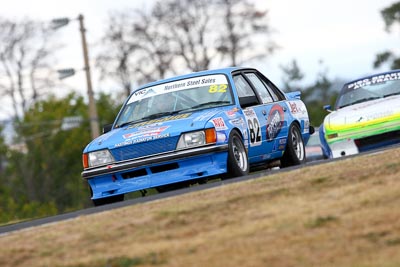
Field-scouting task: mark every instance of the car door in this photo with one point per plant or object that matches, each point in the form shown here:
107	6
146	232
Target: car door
253	111
264	111
279	111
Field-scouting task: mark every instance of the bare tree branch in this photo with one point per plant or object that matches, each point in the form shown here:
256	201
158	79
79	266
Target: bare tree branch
25	53
183	35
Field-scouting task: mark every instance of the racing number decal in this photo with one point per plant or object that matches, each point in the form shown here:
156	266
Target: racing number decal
217	88
253	125
254	129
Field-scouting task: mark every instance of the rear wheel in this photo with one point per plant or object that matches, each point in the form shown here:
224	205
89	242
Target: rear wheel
295	152
238	162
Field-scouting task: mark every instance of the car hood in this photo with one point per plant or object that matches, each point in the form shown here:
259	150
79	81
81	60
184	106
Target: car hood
364	114
167	128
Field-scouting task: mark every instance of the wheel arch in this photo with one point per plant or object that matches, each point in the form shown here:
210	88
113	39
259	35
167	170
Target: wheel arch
241	134
294	122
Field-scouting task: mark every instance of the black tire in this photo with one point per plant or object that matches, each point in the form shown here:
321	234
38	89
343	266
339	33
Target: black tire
238	161
108	200
295	152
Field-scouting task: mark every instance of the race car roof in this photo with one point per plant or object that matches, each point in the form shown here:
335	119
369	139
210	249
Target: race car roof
227	71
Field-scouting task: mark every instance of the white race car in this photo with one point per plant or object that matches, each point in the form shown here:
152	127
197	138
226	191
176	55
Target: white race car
366	116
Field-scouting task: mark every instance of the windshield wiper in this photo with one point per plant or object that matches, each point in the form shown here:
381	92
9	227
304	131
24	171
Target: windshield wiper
128	123
151	117
162	114
210	103
398	93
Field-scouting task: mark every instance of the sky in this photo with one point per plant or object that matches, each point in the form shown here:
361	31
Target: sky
344	35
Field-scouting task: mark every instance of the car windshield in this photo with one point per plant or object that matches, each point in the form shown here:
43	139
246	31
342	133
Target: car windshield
176	97
374	87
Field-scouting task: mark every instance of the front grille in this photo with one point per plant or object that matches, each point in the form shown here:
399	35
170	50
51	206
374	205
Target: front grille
133	174
165	167
371	142
145	149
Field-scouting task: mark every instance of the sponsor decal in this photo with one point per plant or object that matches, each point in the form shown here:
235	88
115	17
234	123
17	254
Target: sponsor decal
274	122
297	109
374	80
217	84
239	122
374	116
144	134
219	124
146	131
232	113
282	141
132	141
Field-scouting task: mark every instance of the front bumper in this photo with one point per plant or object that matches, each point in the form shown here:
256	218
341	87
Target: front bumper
147	172
140	162
354	140
353	146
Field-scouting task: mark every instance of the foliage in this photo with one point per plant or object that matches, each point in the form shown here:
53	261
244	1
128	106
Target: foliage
321	92
292	76
391	16
44	179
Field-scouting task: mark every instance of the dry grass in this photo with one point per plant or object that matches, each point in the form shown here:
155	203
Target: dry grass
343	213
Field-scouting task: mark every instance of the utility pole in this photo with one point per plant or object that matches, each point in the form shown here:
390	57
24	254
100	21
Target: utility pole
94	120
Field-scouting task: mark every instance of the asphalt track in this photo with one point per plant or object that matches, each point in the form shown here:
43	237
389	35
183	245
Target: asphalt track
5	229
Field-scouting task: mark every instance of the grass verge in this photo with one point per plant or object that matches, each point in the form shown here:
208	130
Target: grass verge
342	213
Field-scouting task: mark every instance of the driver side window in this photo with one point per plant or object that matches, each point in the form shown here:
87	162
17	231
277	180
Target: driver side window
260	87
247	97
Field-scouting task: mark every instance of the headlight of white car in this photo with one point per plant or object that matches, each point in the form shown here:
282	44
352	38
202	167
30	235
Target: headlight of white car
198	138
97	158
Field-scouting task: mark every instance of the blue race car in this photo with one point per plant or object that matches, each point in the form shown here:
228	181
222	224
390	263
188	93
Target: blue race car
192	128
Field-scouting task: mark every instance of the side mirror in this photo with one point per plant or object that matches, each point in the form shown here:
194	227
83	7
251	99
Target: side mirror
107	128
248	101
311	129
328	108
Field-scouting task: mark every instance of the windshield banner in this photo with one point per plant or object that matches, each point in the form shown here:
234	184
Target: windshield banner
177	86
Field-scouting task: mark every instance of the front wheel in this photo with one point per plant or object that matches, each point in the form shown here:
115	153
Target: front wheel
238	162
295	151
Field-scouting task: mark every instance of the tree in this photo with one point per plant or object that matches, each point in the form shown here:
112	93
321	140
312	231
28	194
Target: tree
178	36
115	61
292	76
189	31
391	16
45	178
26	51
319	93
244	27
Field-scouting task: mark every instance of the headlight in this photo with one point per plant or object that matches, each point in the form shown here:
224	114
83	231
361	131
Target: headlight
96	158
198	138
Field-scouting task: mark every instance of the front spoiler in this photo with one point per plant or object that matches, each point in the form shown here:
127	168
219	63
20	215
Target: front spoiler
144	161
